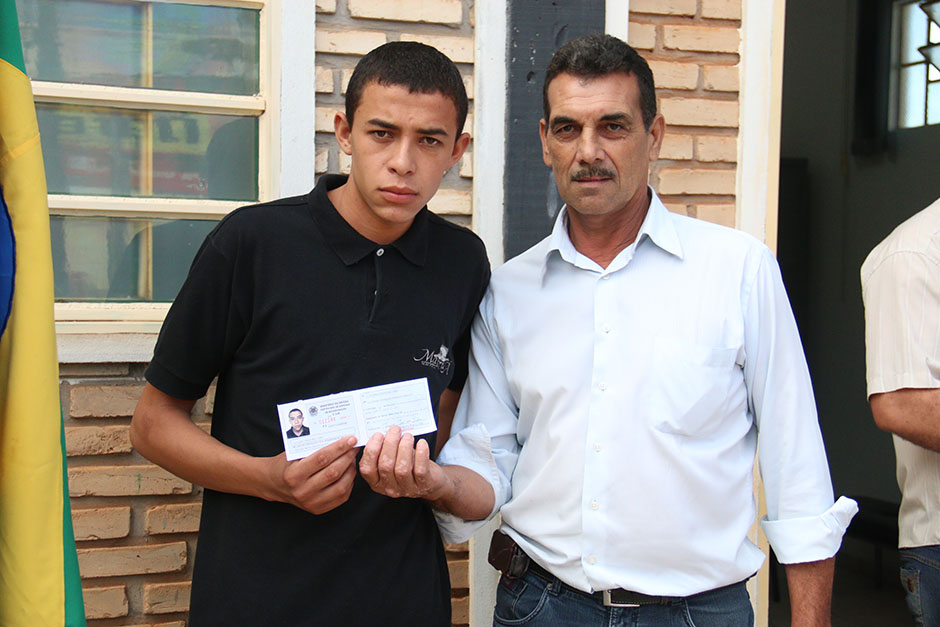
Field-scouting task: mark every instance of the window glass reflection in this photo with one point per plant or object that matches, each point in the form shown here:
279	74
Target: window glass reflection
212	49
122	259
170	46
81	41
118	152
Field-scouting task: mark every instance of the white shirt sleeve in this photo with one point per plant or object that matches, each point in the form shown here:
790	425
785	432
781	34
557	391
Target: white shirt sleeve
484	430
802	524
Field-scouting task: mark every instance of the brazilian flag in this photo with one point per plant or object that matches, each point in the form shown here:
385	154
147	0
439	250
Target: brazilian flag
39	581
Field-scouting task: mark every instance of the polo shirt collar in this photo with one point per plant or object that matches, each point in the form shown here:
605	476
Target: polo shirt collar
348	244
657	226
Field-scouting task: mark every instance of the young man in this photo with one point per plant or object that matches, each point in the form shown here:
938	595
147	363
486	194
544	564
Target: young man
623	372
297	428
307	542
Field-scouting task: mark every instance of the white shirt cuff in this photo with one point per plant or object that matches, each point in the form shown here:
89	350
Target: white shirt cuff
810	538
472	449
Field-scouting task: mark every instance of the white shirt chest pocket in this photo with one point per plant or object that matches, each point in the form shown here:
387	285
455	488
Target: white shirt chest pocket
693	388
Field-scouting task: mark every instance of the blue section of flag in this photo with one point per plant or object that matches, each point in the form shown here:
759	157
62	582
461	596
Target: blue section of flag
7	263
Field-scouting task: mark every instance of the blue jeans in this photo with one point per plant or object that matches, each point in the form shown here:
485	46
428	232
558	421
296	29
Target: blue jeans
532	600
920	577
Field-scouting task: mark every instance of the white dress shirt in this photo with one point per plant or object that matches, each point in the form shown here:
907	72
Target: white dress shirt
616	412
901	290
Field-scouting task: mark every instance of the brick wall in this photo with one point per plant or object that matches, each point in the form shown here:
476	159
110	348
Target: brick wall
136	525
692	47
347	29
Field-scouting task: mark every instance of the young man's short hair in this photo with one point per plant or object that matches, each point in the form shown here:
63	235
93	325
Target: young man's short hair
416	66
594	56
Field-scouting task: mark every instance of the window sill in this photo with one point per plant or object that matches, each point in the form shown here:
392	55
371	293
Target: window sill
105	348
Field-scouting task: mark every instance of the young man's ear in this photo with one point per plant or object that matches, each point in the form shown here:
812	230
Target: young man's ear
342	130
460	146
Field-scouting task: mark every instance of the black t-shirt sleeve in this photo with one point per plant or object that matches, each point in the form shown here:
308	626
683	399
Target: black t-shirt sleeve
462	345
203	327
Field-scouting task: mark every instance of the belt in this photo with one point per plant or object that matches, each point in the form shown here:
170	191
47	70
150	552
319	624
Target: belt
506	557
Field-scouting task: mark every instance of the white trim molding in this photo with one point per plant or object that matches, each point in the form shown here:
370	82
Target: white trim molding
761	73
489	130
617	18
296	94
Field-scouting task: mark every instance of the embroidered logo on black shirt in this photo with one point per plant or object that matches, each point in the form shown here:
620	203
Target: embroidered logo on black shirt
439	360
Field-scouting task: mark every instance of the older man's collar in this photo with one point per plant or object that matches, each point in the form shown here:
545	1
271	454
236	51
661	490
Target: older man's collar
348	244
660	227
657	226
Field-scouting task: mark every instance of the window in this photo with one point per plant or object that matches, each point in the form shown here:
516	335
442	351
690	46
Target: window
152	118
917	35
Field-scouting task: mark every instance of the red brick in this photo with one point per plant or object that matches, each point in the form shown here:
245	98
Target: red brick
166	598
676	147
210	399
132	560
642	36
722	9
687	181
699	112
124	481
460	611
354	41
101	523
432	11
176	518
109	602
103	401
664	7
459	573
719	214
700	38
716	148
459	49
97	440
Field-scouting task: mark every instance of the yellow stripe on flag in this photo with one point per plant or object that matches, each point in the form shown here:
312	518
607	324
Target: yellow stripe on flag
32	564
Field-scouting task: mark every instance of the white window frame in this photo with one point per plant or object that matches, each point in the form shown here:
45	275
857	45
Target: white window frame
894	105
109	332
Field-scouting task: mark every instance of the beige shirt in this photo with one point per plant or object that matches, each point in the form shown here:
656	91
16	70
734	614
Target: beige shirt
901	290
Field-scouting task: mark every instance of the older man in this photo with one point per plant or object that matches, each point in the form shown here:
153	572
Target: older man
623	371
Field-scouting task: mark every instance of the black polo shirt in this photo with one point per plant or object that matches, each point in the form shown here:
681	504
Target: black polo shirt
285	301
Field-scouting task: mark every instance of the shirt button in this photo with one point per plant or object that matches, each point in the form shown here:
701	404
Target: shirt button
380	252
606	328
605	277
592	560
597	447
602	386
595	505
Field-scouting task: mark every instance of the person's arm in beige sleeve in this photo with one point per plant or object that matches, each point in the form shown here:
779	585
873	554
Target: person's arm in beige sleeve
911	413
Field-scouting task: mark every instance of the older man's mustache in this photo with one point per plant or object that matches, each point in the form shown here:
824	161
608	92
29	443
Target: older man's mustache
592	172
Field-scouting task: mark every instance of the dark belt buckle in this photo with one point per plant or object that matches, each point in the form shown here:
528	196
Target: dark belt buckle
611	603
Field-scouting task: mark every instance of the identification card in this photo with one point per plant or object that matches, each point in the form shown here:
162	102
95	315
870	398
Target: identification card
308	425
